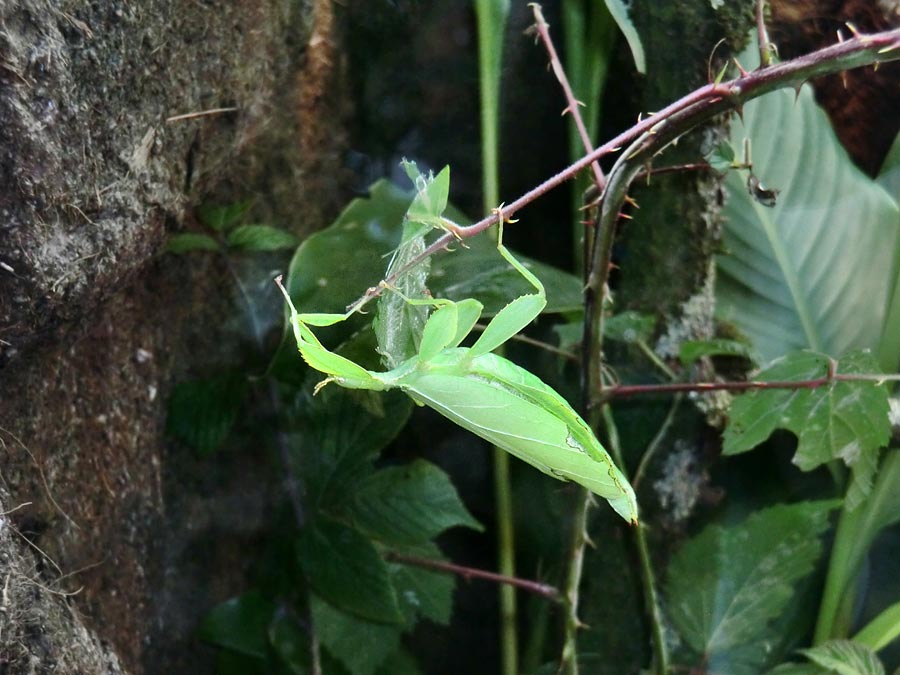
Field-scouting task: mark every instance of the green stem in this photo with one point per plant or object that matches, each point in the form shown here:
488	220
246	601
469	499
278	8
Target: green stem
568	663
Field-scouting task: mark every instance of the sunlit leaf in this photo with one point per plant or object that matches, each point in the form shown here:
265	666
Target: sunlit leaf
816	270
345	569
839	420
727	585
845	658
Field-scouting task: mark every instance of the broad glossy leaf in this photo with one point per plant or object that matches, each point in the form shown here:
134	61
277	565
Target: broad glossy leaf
345	569
409	504
202	412
727	585
260	238
845	658
191	241
841	420
889	179
815	271
239	624
361	646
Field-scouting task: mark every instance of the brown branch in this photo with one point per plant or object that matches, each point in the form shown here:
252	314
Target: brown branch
543	30
544	590
685	114
623	390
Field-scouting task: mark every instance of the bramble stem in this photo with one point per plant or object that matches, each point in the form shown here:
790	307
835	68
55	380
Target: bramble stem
547	591
687	113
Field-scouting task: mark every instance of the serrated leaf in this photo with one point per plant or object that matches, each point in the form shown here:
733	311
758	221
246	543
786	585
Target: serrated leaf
220	218
422	592
290	641
239	624
191	241
726	585
620	11
816	270
629	327
260	238
840	420
845	658
721	158
202	412
361	646
409	504
345	569
692	350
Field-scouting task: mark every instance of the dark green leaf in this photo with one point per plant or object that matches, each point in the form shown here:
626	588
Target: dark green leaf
798	669
202	412
400	663
784	282
290	642
362	646
191	241
423	592
409	504
845	658
233	663
629	327
692	350
239	624
840	420
260	238
220	218
344	568
727	585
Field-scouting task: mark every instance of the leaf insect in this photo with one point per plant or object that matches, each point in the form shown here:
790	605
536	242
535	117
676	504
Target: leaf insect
480	391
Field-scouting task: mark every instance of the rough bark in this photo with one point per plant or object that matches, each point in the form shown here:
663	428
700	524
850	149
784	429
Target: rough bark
95	325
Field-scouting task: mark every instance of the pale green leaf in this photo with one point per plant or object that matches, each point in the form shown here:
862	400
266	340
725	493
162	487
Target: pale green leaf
360	645
815	271
839	420
882	630
343	567
845	658
260	238
621	10
889	174
191	241
409	504
727	586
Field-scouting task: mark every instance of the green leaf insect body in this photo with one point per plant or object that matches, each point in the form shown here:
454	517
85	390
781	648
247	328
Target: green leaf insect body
482	392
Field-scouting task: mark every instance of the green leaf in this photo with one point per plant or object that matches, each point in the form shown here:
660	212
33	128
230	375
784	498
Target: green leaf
845	658
260	238
409	504
620	11
840	420
721	158
344	568
361	646
629	327
290	641
692	350
191	241
400	663
727	585
202	412
220	218
239	624
798	669
882	630
889	174
816	270
423	592
430	201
